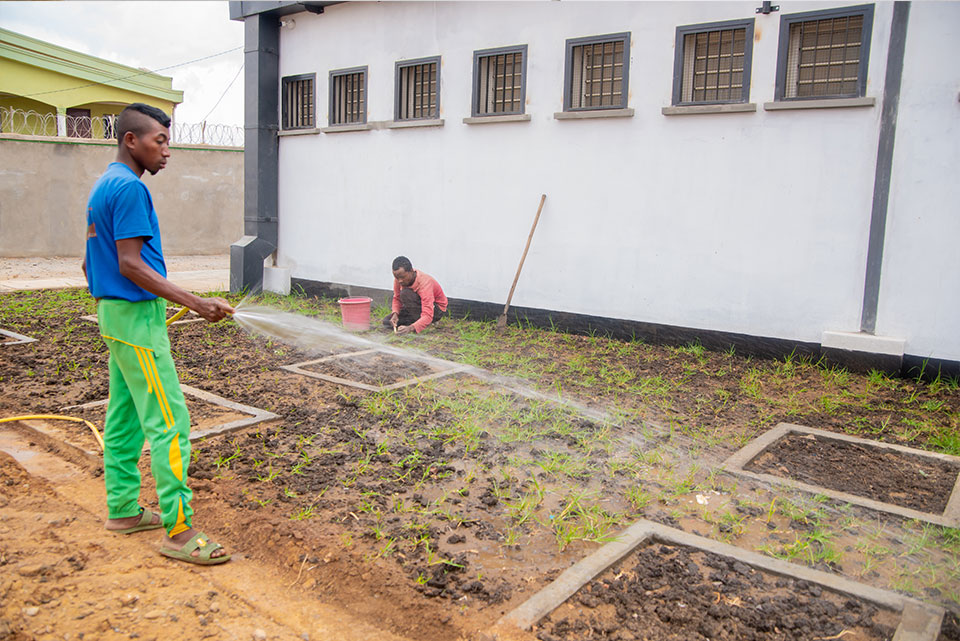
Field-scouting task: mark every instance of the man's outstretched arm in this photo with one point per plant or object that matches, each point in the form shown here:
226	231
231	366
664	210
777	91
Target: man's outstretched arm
133	267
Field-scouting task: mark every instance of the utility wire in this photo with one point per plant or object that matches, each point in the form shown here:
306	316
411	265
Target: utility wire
135	75
237	75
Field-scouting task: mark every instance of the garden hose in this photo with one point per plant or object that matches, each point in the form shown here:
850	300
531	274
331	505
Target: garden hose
177	316
92	427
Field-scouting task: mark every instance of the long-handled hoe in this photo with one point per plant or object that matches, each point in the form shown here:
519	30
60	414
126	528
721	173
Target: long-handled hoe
502	321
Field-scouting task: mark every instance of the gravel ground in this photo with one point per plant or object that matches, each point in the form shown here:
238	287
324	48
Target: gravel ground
59	266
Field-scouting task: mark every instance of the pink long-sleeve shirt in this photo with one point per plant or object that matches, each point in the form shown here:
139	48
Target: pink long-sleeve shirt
429	291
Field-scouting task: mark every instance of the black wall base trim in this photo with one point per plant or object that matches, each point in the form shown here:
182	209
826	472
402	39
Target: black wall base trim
653	333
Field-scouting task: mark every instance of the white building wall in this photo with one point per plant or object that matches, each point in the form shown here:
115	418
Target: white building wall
920	279
747	222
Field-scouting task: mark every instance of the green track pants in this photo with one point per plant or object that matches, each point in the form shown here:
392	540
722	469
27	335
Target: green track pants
146	402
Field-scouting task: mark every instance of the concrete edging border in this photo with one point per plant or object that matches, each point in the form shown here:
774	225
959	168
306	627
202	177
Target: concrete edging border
918	621
449	368
257	415
735	465
18	339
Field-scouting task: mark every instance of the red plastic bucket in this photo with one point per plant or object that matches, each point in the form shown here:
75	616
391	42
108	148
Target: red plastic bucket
356	313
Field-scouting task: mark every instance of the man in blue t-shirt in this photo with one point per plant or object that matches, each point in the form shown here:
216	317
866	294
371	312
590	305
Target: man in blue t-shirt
126	273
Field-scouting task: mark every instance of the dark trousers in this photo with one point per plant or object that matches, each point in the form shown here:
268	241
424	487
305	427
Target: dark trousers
411	308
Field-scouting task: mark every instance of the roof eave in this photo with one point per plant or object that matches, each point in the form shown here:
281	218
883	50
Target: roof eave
242	9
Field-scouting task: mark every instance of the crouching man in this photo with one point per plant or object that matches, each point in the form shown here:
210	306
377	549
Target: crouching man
418	299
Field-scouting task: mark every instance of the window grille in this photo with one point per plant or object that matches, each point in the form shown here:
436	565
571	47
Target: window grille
597	72
824	54
418	84
499	81
79	123
298	102
348	96
824	57
713	65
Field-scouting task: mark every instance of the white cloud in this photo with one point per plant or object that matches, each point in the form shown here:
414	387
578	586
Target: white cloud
152	35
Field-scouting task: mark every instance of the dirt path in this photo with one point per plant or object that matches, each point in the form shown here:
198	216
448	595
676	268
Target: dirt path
65	578
69	267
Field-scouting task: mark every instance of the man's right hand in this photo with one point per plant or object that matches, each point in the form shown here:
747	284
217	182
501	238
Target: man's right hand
213	309
394	319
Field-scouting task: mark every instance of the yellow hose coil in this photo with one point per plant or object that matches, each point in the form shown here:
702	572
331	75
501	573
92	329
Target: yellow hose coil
92	427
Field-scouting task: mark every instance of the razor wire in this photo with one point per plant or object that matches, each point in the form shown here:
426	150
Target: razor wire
32	123
205	133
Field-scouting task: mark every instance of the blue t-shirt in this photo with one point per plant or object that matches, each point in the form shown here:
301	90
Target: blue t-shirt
120	207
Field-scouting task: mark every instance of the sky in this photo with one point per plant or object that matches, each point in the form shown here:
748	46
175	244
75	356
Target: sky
151	35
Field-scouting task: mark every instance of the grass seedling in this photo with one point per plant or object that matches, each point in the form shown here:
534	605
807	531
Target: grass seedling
433	558
639	498
303	514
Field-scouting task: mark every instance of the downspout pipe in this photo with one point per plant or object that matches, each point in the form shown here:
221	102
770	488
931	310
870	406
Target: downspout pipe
260	154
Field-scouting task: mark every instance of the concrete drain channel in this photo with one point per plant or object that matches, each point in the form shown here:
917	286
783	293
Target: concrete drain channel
948	517
916	621
13	338
253	416
437	368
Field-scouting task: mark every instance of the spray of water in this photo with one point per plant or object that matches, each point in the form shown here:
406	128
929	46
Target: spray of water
313	335
308	334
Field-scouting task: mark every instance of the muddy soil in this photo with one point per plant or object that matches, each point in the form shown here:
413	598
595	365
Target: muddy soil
672	592
903	479
950	630
373	368
427	512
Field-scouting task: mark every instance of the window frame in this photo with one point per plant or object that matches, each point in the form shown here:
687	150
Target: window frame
403	64
726	25
568	70
865	10
497	51
336	73
284	107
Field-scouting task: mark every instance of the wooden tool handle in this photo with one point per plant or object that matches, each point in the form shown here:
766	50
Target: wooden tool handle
526	248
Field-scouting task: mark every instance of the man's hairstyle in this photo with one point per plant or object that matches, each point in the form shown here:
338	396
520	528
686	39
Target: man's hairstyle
402	262
132	119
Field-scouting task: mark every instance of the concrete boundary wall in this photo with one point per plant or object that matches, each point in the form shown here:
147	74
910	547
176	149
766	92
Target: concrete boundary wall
44	184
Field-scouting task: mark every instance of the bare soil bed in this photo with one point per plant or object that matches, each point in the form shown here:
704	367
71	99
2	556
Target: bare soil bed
883	475
372	368
432	510
666	592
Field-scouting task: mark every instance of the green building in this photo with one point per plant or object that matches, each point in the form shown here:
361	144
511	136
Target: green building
50	90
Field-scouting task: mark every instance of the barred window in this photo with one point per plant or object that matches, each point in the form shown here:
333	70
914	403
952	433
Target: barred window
713	63
499	81
297	102
597	72
824	54
79	123
348	96
418	89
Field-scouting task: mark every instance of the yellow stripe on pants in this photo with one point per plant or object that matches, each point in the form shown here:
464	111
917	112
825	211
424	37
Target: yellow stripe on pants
161	396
